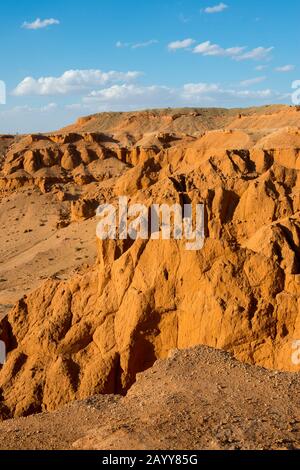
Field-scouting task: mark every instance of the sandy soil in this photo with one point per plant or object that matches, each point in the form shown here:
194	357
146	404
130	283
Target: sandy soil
197	399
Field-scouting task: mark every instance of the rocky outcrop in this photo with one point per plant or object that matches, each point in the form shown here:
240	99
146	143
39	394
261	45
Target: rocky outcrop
83	209
241	292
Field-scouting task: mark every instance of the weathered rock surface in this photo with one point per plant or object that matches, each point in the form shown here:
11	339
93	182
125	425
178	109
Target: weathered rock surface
93	332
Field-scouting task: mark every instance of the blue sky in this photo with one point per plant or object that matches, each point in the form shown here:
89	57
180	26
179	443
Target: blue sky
62	59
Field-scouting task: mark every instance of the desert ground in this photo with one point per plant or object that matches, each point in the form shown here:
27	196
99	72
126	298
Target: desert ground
143	344
196	399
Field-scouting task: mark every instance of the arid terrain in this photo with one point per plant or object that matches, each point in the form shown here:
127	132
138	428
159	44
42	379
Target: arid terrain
83	318
197	399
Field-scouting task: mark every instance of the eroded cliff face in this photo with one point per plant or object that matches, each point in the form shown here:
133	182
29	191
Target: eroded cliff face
94	332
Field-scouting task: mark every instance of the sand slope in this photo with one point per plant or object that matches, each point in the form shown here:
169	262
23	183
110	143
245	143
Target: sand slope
197	399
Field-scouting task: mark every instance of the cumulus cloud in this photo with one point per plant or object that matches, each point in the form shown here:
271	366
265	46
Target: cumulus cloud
130	96
216	8
204	92
208	49
285	68
185	44
199	89
72	81
40	24
239	53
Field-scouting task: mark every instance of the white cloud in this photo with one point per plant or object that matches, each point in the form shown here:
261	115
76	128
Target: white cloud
216	9
138	45
72	81
38	118
259	53
49	107
259	68
207	48
216	93
30	109
130	96
266	94
197	89
40	24
186	43
121	44
252	81
74	106
285	68
2	92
